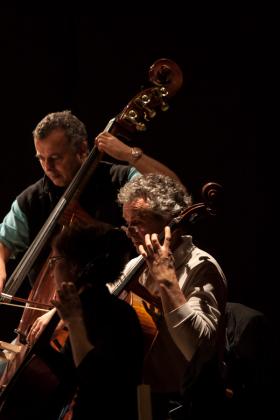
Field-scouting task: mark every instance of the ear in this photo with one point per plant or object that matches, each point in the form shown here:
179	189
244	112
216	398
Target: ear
83	149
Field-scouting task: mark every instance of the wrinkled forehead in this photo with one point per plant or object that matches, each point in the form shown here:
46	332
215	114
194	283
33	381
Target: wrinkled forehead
56	140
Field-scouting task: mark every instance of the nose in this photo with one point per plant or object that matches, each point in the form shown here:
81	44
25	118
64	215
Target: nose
49	164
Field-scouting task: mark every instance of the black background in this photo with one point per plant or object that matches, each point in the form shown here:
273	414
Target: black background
95	65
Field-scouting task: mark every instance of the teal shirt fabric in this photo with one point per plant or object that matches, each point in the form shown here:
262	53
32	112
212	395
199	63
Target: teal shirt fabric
133	173
14	230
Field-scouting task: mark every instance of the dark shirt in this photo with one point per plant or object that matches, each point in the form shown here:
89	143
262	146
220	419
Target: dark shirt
99	199
109	374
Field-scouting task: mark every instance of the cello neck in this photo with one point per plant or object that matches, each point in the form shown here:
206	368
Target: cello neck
126	279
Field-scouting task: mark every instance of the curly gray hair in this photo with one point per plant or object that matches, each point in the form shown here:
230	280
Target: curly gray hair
164	195
74	129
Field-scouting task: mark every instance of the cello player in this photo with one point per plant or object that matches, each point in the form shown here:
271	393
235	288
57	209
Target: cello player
186	359
105	333
99	367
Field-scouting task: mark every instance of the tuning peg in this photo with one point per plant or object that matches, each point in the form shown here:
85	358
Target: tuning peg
132	117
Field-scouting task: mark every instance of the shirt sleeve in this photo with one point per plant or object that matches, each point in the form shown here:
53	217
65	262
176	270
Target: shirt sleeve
14	232
196	322
133	173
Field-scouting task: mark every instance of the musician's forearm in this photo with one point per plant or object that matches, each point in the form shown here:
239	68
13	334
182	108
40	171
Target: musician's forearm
4	256
145	164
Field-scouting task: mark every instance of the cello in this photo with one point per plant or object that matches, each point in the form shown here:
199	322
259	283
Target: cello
167	78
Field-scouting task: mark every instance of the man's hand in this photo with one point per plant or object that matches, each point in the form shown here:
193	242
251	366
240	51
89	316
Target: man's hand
159	258
114	147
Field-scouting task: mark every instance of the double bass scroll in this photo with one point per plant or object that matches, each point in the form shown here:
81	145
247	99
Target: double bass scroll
167	78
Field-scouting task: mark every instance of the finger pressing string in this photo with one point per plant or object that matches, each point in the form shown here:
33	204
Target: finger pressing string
167	234
142	251
155	242
148	244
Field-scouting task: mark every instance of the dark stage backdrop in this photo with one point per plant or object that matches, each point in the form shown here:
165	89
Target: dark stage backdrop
94	66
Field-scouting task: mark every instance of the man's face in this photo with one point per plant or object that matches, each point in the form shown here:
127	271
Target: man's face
140	220
59	160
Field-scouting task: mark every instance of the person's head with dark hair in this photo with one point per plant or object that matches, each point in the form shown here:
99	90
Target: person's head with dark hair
95	253
61	144
74	129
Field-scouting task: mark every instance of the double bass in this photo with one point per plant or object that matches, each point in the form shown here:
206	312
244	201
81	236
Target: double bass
166	78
